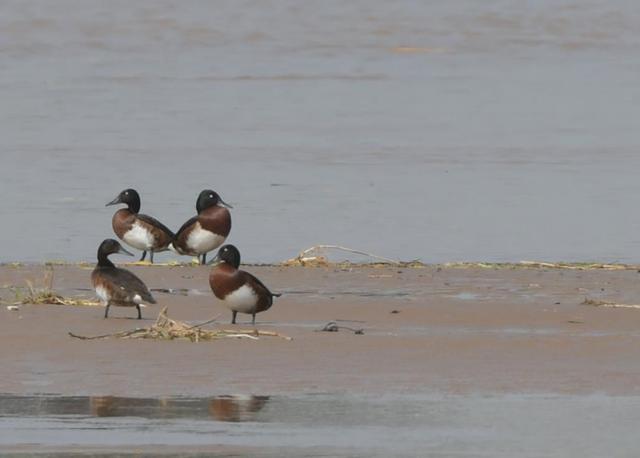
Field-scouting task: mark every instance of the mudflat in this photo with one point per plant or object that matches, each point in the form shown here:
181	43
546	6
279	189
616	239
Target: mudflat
425	330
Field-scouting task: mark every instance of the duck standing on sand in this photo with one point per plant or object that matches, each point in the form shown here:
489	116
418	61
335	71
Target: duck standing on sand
140	231
207	230
115	286
238	290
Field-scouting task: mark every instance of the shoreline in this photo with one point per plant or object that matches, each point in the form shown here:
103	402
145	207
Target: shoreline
583	265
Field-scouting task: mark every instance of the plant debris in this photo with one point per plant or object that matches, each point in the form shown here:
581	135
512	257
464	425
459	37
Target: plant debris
332	326
539	265
166	328
50	297
574	266
598	303
46	294
316	256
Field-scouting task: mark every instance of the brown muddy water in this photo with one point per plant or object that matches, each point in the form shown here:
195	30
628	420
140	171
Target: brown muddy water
322	425
415	130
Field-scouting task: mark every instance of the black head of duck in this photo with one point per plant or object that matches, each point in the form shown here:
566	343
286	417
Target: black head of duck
130	198
207	199
107	248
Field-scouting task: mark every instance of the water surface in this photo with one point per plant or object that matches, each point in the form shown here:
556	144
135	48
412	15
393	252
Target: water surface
330	425
439	131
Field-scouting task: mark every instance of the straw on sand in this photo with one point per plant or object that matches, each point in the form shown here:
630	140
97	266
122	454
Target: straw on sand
598	303
166	328
46	294
316	256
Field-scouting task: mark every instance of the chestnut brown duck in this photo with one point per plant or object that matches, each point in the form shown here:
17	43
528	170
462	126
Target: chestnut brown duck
238	290
140	231
207	230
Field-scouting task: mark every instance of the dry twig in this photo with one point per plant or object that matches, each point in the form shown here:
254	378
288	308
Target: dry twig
304	258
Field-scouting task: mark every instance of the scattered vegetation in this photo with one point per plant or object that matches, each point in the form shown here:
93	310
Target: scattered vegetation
61	262
317	256
540	265
166	328
46	295
599	303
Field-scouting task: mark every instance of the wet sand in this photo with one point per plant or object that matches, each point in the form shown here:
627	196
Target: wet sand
455	331
461	343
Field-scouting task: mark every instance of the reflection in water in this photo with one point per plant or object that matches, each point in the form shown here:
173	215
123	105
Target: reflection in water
236	408
222	408
114	406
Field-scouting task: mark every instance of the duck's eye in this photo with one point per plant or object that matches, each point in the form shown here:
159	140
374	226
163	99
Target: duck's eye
211	195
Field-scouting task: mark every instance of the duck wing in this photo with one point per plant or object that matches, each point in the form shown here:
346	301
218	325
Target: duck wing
154	222
247	277
126	286
189	222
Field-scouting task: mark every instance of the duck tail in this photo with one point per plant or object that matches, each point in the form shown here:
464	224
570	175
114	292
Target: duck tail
150	299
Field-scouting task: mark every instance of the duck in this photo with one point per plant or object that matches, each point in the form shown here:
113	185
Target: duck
207	230
140	231
238	290
116	286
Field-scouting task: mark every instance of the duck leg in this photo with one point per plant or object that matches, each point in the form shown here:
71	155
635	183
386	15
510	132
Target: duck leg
204	259
106	310
253	320
151	256
139	311
233	317
144	255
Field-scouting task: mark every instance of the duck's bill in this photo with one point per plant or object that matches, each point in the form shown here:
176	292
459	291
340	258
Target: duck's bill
215	260
123	251
114	201
225	204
